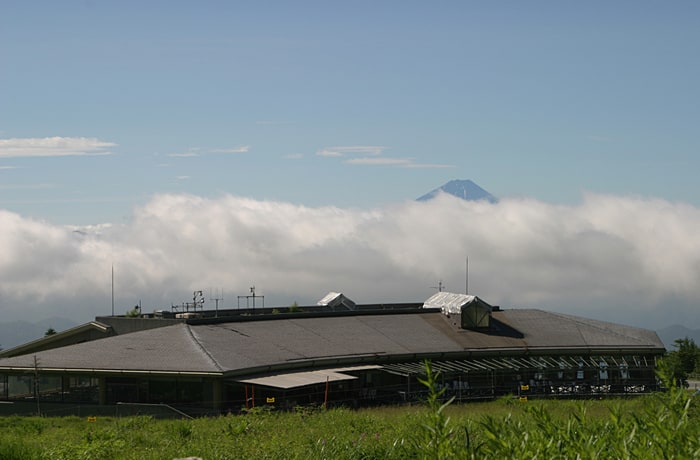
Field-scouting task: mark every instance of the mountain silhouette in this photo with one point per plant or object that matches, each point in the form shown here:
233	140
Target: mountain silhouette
465	189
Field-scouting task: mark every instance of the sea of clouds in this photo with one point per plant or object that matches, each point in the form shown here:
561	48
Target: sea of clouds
624	259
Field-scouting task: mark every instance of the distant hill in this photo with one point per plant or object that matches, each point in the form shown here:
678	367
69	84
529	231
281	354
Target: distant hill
465	189
15	333
668	335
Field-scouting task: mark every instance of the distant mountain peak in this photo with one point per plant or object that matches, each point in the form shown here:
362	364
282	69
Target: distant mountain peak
465	189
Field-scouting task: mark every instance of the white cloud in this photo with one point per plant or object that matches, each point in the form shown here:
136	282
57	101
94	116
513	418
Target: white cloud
379	161
198	151
428	166
369	155
7	167
241	149
189	153
53	147
614	258
351	150
184	155
400	162
294	156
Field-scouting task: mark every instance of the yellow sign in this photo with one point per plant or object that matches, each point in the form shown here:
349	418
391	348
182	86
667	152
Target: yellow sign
523	399
524	387
92	419
270	400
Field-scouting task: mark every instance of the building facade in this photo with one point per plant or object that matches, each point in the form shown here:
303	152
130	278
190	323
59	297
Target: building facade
355	357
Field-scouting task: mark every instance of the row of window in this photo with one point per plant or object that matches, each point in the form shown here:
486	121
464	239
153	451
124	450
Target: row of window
85	389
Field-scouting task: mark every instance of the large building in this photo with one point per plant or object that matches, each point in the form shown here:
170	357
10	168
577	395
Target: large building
333	353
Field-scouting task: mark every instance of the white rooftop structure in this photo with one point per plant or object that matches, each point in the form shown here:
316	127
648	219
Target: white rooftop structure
449	303
336	299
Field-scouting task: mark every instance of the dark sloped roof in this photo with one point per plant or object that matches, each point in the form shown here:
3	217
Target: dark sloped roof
547	329
81	333
164	350
262	343
253	346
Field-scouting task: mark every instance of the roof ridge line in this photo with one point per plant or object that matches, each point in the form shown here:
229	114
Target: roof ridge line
578	321
203	348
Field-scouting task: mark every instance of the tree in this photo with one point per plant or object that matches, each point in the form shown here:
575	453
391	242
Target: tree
49	331
682	361
688	354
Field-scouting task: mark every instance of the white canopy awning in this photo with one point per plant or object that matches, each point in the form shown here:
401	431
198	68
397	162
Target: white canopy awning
300	379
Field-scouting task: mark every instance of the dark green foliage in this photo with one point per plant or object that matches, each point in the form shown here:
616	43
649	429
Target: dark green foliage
17	450
436	438
683	361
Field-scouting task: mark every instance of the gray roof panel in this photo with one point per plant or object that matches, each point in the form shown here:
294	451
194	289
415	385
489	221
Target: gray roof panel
237	347
167	349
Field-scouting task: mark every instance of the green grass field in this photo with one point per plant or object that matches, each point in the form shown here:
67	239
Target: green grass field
654	426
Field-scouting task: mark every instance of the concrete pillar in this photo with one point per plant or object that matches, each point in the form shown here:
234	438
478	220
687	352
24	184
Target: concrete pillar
102	386
65	386
217	393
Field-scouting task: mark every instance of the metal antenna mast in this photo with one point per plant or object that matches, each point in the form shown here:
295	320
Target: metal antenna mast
112	289
216	300
251	296
466	290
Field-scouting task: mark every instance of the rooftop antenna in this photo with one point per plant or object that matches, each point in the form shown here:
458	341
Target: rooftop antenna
439	287
112	289
198	300
466	288
216	299
251	296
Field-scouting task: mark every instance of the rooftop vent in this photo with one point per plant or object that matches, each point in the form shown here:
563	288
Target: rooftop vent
476	315
474	312
337	301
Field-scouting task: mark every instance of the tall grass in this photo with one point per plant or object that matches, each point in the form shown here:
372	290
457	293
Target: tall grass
662	429
663	425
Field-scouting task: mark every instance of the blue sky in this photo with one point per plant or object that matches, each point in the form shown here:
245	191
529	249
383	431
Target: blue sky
539	99
219	145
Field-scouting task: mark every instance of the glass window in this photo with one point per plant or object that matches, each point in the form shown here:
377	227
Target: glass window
82	389
190	391
20	387
50	388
